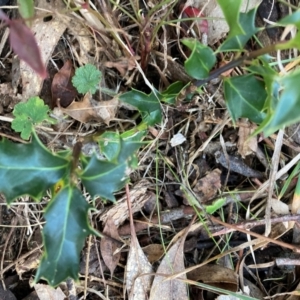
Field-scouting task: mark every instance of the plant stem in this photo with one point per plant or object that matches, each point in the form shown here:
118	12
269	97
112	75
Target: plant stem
233	64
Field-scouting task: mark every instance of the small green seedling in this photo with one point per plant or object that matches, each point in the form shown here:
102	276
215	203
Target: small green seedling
87	79
28	114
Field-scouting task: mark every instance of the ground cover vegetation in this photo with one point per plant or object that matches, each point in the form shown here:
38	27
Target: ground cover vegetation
149	150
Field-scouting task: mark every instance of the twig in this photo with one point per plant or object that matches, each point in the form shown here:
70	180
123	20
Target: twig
259	236
253	223
274	169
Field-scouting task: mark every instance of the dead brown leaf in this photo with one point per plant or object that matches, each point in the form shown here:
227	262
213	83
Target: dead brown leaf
137	285
47	35
217	276
172	263
62	87
208	186
154	252
123	64
109	246
246	145
46	292
30	263
91	110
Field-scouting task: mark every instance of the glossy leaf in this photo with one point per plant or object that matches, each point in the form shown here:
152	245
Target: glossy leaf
262	68
292	19
28	169
231	11
66	229
147	105
201	60
245	97
237	42
103	178
169	95
28	114
286	111
110	145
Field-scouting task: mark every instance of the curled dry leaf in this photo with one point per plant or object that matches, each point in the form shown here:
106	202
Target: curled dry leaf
216	275
172	263
46	292
62	87
154	252
47	35
137	282
91	110
123	65
208	186
30	263
108	246
246	145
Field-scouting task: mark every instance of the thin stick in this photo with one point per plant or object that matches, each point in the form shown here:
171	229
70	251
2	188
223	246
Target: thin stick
262	237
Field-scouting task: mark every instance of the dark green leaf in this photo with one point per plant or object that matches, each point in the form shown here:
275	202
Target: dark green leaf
231	11
292	19
28	169
262	68
147	105
201	60
103	178
245	97
110	145
169	95
237	42
66	229
286	110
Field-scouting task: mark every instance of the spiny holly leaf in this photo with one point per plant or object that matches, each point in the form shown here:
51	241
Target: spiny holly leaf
286	110
245	97
201	60
28	114
293	19
262	68
66	229
231	11
87	79
169	95
237	42
110	145
147	105
103	178
28	169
